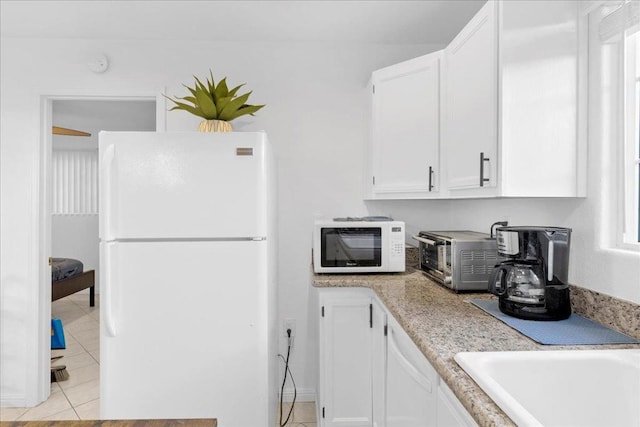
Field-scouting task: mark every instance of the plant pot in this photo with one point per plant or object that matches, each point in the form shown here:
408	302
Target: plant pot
215	126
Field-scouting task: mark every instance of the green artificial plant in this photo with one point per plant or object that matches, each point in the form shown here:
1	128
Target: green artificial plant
215	102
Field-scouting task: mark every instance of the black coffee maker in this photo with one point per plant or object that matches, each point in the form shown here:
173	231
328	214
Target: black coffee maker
532	283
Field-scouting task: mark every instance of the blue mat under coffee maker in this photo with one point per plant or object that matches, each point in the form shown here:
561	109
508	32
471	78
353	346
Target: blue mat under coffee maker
576	330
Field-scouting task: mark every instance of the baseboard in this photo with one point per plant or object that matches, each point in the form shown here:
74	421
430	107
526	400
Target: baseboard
17	401
303	395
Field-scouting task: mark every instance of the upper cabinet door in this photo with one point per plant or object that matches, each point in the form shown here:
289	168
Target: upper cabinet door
542	120
406	129
471	104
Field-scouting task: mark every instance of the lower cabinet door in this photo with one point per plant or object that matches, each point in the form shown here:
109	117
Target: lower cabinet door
411	384
378	362
346	357
450	411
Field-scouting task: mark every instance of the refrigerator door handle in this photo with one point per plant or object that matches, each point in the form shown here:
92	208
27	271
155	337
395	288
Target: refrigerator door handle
105	199
107	292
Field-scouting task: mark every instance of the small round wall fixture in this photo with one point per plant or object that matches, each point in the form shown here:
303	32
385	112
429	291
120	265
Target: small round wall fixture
98	64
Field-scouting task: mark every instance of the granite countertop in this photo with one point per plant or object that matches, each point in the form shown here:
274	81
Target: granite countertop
442	323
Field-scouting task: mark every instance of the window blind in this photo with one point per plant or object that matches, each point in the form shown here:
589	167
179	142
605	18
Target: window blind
75	182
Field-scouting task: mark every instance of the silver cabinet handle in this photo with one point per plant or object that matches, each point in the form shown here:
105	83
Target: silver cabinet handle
482	178
430	178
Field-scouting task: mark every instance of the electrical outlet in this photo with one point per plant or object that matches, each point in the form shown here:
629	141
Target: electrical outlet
289	324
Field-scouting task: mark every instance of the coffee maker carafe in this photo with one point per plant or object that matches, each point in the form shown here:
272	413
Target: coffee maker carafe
532	283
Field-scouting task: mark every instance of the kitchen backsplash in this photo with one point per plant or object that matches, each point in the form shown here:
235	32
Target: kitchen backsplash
617	314
623	316
412	256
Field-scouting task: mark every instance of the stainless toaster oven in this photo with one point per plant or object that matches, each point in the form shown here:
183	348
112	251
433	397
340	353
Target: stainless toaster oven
460	260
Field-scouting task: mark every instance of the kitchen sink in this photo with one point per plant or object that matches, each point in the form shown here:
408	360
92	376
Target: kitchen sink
560	388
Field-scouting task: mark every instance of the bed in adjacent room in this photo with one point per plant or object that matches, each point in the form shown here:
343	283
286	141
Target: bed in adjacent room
68	277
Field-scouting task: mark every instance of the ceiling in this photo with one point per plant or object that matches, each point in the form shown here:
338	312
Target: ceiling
347	21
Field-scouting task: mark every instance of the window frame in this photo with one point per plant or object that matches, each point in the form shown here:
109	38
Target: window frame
629	228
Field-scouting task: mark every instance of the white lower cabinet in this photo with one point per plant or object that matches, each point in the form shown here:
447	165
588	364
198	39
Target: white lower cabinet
346	348
449	411
411	382
371	372
379	362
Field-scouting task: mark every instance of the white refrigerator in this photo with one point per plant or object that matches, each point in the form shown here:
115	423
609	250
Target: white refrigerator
188	277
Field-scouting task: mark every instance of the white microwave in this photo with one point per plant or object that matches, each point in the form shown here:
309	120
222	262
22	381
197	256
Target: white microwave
358	246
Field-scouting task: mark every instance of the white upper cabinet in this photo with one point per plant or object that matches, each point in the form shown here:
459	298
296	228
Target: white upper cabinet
471	101
513	101
405	140
501	112
542	97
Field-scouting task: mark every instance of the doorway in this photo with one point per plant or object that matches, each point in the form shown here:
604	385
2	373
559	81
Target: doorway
69	210
74	171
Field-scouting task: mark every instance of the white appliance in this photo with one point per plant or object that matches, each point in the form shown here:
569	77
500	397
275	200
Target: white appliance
358	246
188	275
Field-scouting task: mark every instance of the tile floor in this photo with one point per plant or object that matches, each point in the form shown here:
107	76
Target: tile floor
78	398
304	414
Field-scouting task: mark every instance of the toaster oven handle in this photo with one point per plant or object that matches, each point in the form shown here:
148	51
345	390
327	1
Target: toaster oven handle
423	240
550	262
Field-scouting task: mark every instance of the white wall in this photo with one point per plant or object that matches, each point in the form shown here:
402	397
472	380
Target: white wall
315	118
76	236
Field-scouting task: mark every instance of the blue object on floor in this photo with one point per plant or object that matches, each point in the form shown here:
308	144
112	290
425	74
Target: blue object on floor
57	335
576	330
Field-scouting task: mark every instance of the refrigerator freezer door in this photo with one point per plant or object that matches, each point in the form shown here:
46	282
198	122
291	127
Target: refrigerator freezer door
188	334
182	185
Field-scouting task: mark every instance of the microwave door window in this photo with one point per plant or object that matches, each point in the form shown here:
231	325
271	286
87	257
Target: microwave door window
351	247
